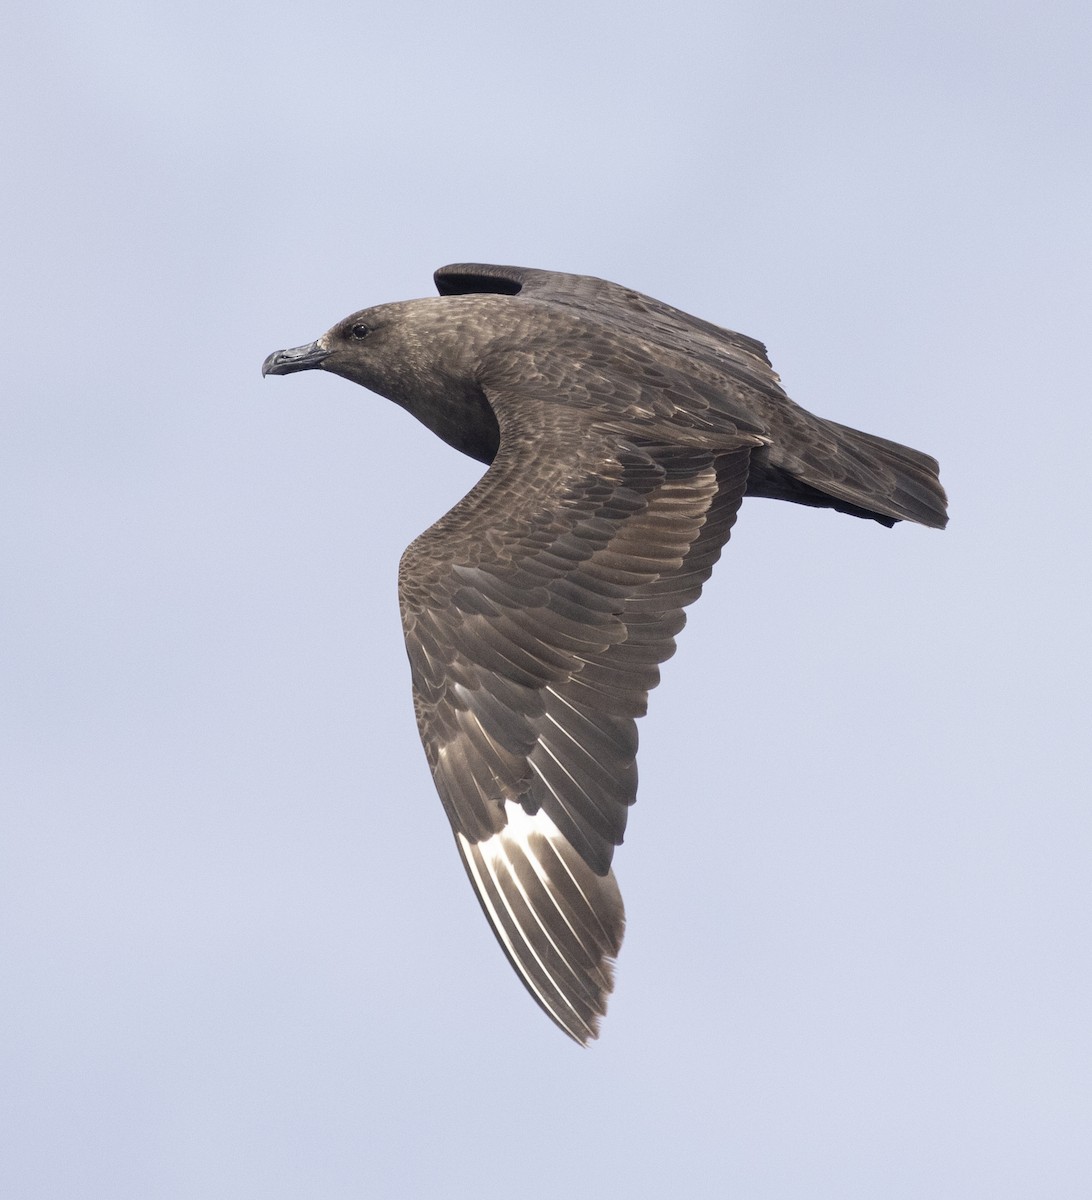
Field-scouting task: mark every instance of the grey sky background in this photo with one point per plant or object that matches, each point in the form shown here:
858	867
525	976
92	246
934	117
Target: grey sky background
239	955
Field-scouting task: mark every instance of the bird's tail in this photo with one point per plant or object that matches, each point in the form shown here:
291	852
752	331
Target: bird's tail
827	465
886	479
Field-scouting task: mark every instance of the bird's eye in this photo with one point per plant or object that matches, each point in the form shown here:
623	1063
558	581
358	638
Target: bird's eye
359	330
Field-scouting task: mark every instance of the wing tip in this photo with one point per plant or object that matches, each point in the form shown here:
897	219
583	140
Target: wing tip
463	279
559	923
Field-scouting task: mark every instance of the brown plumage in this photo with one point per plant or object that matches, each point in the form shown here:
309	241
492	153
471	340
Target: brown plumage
622	436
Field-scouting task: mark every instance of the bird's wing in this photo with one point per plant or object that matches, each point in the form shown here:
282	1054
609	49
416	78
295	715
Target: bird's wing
741	359
536	614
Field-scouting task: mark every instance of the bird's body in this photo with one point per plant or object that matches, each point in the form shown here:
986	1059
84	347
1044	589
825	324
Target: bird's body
622	436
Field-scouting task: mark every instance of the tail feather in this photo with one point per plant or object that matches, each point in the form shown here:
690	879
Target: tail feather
887	478
827	465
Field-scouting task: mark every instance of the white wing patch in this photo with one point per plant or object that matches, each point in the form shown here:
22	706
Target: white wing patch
559	923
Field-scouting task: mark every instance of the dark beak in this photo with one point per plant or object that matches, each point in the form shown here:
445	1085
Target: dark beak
299	358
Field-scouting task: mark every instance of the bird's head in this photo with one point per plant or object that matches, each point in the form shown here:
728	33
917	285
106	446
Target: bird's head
425	355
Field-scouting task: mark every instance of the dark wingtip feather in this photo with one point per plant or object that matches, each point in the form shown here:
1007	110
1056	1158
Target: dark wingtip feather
464	279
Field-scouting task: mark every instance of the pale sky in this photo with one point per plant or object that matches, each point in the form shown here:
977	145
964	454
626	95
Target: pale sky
240	957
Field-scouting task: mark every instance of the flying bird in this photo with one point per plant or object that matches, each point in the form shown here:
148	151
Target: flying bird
621	435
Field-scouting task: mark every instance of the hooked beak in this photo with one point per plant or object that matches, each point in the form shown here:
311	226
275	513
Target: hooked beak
299	358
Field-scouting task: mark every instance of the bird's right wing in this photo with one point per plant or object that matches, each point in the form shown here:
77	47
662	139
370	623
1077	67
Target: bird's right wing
536	615
740	359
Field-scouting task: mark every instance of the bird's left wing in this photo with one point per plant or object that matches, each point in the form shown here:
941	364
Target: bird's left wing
536	615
